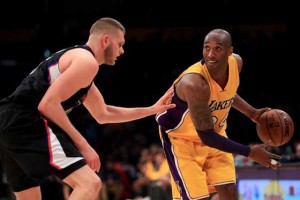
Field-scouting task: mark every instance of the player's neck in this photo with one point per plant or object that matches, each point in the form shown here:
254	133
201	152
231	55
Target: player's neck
220	76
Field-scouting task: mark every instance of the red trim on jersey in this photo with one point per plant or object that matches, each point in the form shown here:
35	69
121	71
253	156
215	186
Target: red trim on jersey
49	145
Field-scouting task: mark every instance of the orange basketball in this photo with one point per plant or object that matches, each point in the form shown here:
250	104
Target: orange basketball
275	125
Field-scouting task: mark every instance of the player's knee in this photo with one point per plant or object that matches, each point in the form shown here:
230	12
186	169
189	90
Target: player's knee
89	187
227	191
98	185
94	185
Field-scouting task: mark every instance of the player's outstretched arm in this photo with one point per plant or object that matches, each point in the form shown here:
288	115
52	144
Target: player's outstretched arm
104	113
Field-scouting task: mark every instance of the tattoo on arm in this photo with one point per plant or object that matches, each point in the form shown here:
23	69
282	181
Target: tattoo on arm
202	118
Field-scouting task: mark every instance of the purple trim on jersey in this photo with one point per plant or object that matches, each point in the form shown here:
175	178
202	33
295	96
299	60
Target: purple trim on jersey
166	143
172	117
202	61
89	48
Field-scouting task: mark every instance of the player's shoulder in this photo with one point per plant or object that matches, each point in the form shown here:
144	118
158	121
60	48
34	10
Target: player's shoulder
239	60
79	57
80	54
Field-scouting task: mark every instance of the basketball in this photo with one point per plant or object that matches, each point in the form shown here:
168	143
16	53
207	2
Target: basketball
275	125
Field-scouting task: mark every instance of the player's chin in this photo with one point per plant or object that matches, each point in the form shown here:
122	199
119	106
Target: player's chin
110	63
211	64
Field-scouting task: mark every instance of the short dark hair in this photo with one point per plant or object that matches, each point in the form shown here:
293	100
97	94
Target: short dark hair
106	23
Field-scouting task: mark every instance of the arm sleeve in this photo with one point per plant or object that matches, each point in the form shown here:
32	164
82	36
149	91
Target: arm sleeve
215	140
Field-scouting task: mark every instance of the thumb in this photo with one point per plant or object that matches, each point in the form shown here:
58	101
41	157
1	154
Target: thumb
268	143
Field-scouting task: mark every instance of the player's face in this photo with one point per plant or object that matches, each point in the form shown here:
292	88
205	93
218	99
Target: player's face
114	49
215	52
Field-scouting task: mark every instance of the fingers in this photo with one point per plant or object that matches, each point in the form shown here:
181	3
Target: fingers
265	158
172	105
271	163
268	108
274	164
98	165
267	144
95	166
275	156
170	91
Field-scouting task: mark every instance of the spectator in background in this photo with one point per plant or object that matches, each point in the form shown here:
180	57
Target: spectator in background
297	150
154	178
112	181
157	171
140	184
293	156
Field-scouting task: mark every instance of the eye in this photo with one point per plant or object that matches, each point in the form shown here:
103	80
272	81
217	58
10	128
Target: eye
206	48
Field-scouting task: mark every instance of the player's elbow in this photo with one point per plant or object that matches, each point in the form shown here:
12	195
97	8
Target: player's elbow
104	116
101	120
47	106
42	107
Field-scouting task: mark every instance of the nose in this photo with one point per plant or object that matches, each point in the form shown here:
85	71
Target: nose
121	51
210	53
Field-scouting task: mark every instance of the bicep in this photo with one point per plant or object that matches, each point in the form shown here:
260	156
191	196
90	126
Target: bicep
194	89
65	86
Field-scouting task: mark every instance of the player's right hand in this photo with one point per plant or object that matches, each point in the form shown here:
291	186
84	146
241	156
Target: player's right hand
91	157
260	155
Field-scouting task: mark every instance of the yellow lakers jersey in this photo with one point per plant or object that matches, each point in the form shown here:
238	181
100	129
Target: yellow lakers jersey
177	121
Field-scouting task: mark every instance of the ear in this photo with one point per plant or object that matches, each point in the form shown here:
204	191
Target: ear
105	40
230	50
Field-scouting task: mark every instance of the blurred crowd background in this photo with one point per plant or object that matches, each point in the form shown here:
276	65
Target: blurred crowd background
162	39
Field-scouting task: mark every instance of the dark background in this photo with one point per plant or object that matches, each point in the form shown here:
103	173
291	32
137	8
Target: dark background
162	39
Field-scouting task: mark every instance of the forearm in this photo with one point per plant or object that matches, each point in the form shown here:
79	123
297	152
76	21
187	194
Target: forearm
215	140
244	107
120	114
104	113
56	114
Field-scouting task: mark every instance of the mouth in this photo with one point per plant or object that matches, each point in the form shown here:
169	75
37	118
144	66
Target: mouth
211	62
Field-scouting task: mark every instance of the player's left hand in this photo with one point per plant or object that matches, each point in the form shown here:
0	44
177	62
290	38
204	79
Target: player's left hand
258	113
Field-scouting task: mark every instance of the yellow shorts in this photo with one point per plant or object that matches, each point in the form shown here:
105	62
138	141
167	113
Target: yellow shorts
196	168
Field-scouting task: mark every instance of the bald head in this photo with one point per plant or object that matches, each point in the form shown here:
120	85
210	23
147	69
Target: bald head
219	36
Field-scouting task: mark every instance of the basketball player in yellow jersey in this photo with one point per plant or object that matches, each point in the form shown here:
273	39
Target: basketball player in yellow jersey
193	134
